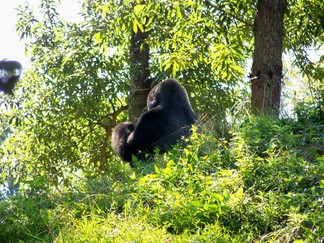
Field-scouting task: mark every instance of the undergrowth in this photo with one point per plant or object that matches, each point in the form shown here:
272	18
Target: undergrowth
264	184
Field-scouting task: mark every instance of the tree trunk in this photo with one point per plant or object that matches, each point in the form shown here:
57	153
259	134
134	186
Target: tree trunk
139	73
266	72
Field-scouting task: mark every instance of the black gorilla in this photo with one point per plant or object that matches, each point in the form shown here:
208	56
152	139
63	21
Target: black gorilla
169	117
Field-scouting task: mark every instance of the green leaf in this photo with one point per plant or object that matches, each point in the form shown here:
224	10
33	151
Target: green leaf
226	195
138	9
196	204
133	176
240	192
322	184
156	169
218	197
135	25
97	37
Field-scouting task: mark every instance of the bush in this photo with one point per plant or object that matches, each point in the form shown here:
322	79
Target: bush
264	184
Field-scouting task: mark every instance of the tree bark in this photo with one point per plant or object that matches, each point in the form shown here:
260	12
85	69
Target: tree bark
139	73
266	75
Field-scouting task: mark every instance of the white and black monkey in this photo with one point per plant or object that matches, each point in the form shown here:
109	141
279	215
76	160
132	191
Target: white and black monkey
10	72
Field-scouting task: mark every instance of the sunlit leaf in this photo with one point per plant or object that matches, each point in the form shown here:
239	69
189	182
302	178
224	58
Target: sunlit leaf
240	192
138	9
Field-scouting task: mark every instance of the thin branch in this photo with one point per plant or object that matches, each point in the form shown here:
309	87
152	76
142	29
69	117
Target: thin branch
107	135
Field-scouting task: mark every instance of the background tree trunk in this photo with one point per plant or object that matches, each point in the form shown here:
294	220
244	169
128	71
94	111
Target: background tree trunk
266	72
139	72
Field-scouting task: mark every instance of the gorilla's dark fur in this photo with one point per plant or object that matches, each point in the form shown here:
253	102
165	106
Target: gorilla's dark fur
169	117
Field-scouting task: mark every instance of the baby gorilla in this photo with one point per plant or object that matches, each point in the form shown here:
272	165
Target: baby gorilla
169	117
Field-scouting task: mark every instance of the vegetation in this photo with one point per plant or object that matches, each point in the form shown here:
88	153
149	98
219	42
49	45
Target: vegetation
240	178
265	183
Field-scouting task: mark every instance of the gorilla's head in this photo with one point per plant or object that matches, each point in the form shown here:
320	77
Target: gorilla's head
167	95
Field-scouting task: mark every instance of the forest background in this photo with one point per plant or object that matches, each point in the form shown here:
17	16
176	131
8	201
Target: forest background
244	176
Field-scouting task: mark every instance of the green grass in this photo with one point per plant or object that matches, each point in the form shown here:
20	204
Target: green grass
264	184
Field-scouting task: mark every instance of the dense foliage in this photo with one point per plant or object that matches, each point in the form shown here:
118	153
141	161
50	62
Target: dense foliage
239	179
76	90
264	184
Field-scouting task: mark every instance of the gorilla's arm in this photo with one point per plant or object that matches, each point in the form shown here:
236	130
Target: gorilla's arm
119	139
156	128
143	138
129	139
